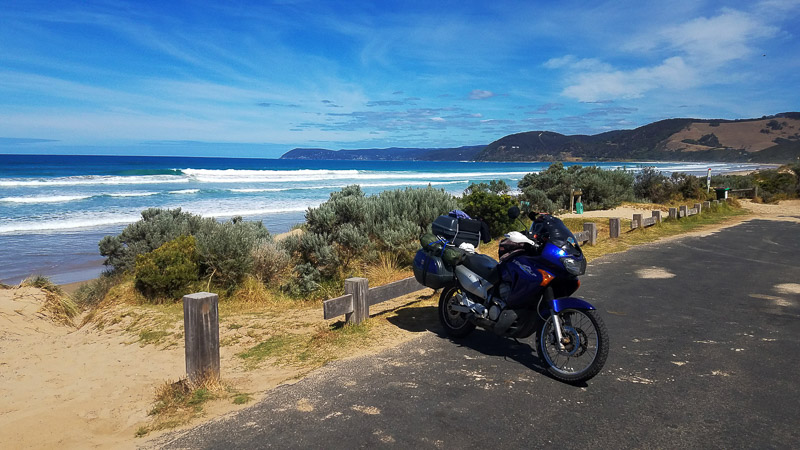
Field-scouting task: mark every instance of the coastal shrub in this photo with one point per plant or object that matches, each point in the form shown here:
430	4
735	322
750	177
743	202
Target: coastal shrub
602	189
156	227
538	200
481	202
169	270
652	185
226	249
418	206
269	260
497	187
313	249
687	186
775	185
306	280
93	292
351	242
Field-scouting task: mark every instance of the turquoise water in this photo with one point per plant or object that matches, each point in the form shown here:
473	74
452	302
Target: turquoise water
54	209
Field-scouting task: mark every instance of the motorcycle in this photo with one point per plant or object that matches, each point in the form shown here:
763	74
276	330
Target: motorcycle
528	291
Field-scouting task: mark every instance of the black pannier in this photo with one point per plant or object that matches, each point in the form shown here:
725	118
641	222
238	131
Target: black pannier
458	231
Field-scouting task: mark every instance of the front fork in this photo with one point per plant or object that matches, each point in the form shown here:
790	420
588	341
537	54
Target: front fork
557	326
548	297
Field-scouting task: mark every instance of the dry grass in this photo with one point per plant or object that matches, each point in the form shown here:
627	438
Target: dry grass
386	270
178	403
59	306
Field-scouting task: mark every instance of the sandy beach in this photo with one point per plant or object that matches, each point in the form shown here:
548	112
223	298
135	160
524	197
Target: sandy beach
92	387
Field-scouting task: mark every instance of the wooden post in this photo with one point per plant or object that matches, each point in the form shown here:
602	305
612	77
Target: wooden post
358	288
673	213
591	228
755	191
683	212
637	221
201	335
698	207
657	215
613	227
706	206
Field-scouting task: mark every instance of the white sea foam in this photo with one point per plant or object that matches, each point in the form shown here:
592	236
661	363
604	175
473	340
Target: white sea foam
132	194
45	199
279	176
86	221
89	180
64	224
185	191
339	186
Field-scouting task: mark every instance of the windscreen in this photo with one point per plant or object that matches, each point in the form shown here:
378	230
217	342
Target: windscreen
553	229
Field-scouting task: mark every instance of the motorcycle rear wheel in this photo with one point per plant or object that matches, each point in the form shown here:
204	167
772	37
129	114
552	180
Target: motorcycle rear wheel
586	345
456	324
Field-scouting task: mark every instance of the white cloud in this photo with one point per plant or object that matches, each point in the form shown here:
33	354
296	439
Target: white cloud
595	86
573	63
479	94
694	53
713	40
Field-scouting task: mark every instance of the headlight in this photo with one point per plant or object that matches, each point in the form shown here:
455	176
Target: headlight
573	266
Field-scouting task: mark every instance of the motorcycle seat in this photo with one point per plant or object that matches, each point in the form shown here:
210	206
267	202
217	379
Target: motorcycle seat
483	265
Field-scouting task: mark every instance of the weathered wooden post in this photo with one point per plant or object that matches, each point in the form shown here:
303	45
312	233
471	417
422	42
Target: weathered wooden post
684	211
201	335
706	206
698	207
673	213
657	215
358	288
591	228
637	221
613	227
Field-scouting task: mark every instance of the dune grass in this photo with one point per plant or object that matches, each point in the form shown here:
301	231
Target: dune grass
57	303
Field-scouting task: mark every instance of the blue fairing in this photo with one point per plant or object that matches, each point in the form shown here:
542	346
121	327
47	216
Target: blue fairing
553	253
560	304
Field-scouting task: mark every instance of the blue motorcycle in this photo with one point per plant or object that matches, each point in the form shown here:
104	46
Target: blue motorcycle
528	291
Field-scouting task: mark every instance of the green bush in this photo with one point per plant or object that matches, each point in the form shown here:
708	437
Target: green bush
480	202
226	249
652	185
169	270
156	227
602	189
538	200
269	260
93	292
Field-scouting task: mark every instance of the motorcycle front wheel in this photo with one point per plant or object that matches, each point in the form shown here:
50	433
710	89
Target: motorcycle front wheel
455	323
585	345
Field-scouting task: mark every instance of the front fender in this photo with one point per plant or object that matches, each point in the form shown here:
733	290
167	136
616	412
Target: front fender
560	304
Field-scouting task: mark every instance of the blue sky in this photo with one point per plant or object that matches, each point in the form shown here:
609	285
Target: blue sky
239	78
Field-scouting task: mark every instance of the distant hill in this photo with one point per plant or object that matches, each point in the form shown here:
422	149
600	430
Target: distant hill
774	139
770	139
466	153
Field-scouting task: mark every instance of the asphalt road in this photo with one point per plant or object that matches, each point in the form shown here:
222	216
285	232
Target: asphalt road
705	338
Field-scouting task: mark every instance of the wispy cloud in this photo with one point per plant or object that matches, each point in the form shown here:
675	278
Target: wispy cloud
699	49
480	94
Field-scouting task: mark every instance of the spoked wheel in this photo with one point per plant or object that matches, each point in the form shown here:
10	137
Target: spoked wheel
455	323
585	341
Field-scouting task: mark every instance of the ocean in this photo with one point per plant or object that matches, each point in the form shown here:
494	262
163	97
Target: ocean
54	209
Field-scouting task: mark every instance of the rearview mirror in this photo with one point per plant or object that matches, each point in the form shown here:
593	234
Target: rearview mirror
513	212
